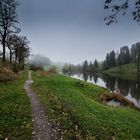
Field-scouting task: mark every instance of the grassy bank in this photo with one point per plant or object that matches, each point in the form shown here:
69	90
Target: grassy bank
15	119
6	74
128	68
75	105
127	72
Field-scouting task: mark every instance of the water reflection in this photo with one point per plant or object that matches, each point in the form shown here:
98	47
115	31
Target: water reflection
129	89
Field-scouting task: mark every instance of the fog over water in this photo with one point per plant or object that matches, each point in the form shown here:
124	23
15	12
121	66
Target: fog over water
73	30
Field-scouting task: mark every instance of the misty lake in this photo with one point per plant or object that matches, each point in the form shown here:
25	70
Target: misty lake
128	88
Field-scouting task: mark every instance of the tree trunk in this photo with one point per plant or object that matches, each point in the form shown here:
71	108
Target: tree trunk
10	56
4	49
15	62
4	46
23	65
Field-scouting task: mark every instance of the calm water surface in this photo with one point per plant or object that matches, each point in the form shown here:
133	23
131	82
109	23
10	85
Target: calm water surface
129	89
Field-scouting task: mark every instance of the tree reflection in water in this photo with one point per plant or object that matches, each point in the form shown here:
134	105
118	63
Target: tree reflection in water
129	89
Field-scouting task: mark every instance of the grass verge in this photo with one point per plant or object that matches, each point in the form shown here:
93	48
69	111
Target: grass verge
127	72
127	68
75	105
15	116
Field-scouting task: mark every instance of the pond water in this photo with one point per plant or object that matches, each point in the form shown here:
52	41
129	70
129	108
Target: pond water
128	88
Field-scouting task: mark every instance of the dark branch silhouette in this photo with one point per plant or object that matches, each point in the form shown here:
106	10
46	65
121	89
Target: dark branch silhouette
117	7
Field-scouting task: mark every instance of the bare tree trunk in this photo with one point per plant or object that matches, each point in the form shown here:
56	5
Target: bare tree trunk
3	54
4	49
10	56
15	62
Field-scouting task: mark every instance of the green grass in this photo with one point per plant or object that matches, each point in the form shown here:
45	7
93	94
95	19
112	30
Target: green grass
128	72
127	68
74	104
15	115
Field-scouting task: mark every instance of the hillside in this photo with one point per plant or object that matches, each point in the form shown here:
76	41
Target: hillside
127	72
127	68
75	105
6	73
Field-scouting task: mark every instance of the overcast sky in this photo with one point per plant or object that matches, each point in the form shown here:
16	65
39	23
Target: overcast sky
73	30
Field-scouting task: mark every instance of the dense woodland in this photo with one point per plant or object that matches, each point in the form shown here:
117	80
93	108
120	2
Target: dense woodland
12	43
126	55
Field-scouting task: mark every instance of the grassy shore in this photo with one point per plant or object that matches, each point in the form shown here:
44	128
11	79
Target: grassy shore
127	72
15	118
76	106
127	68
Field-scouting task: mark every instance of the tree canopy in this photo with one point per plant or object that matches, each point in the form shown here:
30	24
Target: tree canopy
9	38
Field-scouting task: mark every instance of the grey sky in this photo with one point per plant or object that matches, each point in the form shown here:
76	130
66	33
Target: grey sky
73	30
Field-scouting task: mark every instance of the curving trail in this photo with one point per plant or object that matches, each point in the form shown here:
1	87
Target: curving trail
41	127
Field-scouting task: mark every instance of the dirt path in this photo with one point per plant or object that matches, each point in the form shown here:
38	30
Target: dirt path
41	127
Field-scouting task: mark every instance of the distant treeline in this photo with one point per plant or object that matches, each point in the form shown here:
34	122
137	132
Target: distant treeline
126	55
84	67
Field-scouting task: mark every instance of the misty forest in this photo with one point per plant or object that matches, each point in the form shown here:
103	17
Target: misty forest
69	70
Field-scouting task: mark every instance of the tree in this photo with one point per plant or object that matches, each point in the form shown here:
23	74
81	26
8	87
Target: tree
118	61
10	41
21	51
65	68
95	65
112	59
8	19
124	55
24	51
138	56
107	61
133	53
90	66
104	65
120	6
85	66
